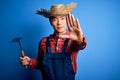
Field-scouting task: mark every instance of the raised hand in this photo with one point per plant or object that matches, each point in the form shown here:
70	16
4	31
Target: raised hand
75	31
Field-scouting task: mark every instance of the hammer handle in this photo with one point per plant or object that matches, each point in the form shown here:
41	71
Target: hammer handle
20	45
22	53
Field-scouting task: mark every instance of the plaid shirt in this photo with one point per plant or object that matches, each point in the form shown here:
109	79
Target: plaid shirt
56	45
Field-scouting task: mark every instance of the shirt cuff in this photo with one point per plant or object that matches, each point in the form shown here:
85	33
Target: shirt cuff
33	63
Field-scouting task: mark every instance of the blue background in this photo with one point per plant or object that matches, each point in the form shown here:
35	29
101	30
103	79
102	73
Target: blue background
99	19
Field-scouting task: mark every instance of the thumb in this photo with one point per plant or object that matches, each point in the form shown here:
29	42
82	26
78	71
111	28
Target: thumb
64	36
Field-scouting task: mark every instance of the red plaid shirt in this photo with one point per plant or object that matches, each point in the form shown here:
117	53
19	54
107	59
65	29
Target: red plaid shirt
56	45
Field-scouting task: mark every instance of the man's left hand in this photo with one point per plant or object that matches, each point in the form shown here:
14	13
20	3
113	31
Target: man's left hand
75	31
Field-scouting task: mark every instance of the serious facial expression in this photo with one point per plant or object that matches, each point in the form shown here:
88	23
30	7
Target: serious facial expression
59	24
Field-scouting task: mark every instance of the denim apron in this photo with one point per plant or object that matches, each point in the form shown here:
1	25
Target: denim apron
57	66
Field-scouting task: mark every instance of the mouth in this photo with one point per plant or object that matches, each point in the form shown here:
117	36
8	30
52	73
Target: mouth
60	27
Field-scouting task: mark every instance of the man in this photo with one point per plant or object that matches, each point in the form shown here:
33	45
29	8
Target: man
58	52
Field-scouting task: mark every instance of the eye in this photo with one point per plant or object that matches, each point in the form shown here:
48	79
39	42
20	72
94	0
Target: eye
54	19
63	17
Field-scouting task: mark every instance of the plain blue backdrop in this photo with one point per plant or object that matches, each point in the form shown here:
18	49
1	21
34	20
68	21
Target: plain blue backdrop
99	19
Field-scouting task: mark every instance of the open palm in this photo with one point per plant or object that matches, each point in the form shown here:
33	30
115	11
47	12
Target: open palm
75	31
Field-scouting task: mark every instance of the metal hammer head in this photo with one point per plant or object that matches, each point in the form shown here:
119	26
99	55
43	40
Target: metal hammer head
17	40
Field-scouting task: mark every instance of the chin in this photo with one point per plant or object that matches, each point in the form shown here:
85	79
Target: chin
61	31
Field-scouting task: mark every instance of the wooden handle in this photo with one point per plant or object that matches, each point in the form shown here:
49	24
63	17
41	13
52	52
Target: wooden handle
22	53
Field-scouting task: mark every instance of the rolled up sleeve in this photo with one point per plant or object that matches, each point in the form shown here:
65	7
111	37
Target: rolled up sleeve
80	46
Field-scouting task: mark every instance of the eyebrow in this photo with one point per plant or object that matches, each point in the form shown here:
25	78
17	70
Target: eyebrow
56	17
53	17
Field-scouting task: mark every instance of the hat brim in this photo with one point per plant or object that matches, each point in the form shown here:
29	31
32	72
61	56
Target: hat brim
55	10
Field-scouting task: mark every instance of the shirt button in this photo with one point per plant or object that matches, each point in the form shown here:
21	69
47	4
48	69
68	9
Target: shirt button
58	39
57	47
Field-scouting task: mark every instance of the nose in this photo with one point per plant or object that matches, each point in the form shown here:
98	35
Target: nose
59	22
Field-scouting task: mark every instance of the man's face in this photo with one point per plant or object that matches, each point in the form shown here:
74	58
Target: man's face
59	23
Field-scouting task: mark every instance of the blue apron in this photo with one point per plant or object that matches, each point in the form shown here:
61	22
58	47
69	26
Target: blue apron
57	66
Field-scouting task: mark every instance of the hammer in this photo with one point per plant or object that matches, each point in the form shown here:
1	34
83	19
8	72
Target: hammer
17	40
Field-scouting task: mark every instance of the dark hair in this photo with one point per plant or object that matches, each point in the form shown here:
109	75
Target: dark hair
50	18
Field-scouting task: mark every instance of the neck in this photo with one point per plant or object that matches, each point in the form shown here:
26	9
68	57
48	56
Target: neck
58	34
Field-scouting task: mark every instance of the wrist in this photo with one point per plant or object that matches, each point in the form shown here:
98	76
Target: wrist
80	40
29	63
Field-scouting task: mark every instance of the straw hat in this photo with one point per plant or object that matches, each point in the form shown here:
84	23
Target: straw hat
58	9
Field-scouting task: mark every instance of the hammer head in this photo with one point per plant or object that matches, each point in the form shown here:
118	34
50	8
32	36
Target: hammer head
16	39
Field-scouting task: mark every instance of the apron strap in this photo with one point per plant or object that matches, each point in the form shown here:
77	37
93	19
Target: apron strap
48	49
65	45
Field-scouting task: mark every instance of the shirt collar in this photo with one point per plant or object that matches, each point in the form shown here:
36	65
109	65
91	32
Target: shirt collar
53	36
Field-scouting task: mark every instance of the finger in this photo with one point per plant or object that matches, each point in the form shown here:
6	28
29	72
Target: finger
70	20
73	21
21	58
78	26
75	28
68	23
